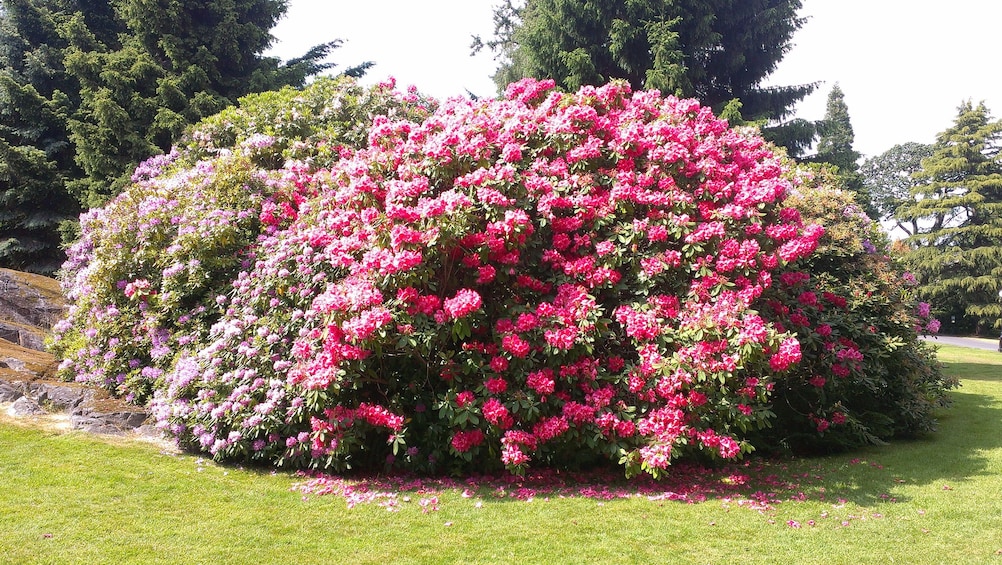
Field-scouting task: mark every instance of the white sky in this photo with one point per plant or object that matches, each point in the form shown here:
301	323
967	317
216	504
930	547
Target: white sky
904	65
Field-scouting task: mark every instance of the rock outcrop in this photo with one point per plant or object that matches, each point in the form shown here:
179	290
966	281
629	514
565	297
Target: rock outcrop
89	409
23	363
25	406
29	306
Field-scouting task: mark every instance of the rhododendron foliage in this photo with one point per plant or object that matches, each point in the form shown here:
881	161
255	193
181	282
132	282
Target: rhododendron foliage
863	375
548	279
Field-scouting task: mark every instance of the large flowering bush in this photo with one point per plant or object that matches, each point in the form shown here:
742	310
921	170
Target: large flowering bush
346	278
865	377
550	277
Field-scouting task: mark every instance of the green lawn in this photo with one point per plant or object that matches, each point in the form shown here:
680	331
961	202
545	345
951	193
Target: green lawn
74	498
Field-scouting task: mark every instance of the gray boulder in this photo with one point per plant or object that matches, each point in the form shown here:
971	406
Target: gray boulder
87	409
62	396
14	364
9	392
25	406
94	419
29	306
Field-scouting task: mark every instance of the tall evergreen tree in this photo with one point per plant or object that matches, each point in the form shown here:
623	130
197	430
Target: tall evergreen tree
835	147
958	206
176	63
36	157
88	88
718	51
836	134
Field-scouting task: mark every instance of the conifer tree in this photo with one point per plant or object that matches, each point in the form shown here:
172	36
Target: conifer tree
718	51
177	63
957	252
89	88
836	134
835	141
36	157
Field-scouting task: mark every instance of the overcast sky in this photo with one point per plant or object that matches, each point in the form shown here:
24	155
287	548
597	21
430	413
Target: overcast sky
904	65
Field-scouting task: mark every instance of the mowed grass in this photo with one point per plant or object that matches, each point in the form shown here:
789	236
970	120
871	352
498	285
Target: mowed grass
68	497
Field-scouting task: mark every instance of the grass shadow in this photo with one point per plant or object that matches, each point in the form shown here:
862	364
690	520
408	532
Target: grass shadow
958	452
983	372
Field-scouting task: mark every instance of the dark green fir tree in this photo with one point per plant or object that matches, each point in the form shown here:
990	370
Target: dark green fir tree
718	51
36	156
177	63
835	142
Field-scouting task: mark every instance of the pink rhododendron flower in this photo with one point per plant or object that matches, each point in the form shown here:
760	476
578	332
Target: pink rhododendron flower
497	414
787	355
549	428
541	381
465	302
499	364
137	288
464	441
464	398
496	385
515	345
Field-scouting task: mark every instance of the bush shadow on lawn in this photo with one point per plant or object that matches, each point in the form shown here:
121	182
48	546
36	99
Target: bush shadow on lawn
868	477
954	454
983	372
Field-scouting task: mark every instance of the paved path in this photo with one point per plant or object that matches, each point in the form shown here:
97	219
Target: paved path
975	342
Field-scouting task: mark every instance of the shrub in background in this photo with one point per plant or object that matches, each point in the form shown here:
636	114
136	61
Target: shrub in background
865	376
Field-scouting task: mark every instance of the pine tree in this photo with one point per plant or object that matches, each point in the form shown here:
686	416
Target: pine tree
835	147
718	51
958	206
36	157
836	134
177	63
